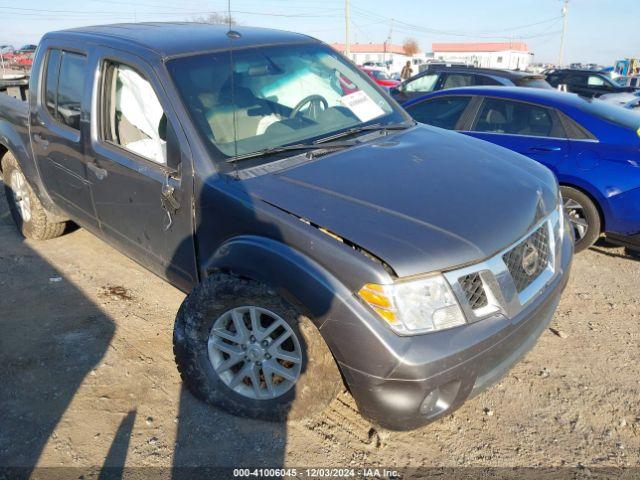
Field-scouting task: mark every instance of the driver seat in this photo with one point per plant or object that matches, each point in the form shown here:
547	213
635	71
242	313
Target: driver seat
252	116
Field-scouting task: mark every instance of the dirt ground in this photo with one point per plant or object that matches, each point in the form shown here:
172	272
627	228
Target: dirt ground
87	379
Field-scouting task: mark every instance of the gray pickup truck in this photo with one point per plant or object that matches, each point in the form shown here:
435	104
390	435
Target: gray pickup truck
324	239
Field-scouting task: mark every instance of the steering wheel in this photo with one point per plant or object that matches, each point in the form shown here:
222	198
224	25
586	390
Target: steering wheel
317	103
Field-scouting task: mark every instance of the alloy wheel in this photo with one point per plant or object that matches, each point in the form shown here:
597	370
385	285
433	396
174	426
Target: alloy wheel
576	214
255	352
20	193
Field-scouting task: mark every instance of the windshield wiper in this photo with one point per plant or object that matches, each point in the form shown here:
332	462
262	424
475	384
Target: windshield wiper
366	128
295	146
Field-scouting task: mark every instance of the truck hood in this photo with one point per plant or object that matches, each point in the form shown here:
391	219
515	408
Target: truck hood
421	200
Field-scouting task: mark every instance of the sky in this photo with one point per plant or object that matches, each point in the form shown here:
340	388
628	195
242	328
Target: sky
598	31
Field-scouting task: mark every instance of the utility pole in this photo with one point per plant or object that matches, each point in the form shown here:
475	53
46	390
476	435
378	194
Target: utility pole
347	46
565	10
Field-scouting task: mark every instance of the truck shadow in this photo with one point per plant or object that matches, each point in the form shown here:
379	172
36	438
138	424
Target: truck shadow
51	338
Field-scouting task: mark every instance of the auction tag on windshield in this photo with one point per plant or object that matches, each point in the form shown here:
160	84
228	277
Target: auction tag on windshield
362	106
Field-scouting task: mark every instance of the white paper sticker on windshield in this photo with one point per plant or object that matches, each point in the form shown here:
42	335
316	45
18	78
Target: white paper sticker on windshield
362	106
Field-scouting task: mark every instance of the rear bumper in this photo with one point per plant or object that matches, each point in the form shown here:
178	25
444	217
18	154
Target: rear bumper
440	371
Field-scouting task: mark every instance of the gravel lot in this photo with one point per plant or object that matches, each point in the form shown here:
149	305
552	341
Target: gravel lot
88	379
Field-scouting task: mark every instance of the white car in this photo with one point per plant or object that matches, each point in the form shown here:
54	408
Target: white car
626	100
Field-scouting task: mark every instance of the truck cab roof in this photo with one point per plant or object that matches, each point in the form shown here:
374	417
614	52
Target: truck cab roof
170	39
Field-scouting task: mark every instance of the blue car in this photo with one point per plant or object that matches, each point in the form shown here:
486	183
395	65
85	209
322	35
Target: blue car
592	147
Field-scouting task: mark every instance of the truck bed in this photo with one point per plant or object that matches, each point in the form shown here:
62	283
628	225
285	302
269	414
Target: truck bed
14	109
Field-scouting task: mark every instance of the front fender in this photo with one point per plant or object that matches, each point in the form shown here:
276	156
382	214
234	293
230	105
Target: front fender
347	326
280	266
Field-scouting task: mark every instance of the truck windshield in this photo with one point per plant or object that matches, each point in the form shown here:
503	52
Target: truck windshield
253	99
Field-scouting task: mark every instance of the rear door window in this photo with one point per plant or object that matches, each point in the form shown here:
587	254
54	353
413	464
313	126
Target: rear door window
64	86
51	81
443	112
517	118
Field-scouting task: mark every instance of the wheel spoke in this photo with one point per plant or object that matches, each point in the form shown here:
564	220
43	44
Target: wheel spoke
241	328
255	320
227	335
285	373
278	341
255	380
268	331
268	377
292	357
226	347
233	359
241	375
570	204
579	221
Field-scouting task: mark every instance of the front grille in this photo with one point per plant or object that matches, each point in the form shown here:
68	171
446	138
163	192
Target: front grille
474	290
529	258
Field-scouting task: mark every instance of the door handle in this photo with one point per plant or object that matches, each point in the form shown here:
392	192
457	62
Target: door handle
545	149
39	139
98	171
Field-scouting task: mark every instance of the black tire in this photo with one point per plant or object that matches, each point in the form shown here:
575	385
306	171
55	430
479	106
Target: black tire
319	381
40	225
589	212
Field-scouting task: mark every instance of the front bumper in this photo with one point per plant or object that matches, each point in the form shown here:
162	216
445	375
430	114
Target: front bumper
436	373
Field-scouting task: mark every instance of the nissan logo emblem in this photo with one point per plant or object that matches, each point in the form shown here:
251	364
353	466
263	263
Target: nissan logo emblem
530	257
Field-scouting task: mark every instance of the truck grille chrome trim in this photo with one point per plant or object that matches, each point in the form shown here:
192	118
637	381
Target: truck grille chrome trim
508	281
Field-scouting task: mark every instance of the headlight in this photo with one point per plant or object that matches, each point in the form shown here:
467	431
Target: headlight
414	307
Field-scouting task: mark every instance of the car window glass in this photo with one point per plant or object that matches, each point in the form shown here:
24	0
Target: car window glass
453	80
51	81
443	112
577	80
424	84
533	82
135	120
515	118
595	81
486	80
70	89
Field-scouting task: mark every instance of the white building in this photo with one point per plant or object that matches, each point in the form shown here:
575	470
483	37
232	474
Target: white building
509	55
383	54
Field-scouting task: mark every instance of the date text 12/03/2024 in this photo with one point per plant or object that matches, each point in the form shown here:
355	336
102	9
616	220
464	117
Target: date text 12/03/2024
315	472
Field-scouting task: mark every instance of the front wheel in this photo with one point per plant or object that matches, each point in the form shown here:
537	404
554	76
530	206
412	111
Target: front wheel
241	347
583	217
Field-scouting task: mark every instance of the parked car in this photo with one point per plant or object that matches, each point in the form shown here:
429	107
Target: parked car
29	48
442	76
380	76
320	232
591	146
628	100
588	83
